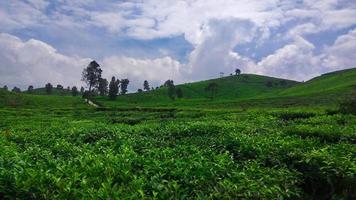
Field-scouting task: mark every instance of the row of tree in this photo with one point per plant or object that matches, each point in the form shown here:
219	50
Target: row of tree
91	75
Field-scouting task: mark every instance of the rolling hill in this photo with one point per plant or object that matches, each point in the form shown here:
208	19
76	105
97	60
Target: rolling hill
244	86
248	89
338	82
15	100
328	88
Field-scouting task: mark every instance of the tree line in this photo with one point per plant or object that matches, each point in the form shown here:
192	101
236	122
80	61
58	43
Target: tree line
97	85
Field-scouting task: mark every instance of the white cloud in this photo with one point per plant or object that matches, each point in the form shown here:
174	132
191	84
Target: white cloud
137	70
213	28
293	61
342	53
35	62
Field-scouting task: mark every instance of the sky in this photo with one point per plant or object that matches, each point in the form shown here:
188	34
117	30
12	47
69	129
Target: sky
184	40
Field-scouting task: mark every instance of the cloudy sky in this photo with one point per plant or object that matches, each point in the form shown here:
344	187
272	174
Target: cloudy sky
184	40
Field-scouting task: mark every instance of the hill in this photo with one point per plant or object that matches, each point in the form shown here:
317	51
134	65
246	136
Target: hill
338	82
55	91
16	100
251	89
244	86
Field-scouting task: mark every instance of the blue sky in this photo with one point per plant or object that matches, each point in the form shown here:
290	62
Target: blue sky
184	40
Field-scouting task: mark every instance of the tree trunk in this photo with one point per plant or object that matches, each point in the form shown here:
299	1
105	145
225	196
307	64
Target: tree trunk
89	92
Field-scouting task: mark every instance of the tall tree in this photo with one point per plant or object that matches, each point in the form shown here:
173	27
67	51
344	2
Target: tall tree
146	86
237	71
82	90
30	89
91	75
103	86
74	91
113	88
212	88
5	87
123	85
171	92
49	88
16	89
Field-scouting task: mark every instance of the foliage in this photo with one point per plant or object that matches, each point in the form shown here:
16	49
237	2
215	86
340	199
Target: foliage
237	71
212	88
48	88
91	75
74	91
146	86
167	153
16	89
113	88
179	93
103	86
171	89
30	89
123	86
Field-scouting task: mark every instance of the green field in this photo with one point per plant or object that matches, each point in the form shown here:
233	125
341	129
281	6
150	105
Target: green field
260	138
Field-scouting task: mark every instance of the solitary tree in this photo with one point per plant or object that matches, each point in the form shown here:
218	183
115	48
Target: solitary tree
113	88
59	87
237	71
91	75
48	88
123	84
30	89
171	92
74	91
146	86
179	93
139	90
103	86
82	90
16	89
212	88
5	87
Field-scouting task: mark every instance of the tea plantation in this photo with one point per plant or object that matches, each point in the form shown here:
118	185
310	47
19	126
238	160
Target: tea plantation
281	145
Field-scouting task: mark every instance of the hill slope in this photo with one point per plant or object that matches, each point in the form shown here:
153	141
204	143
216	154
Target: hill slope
15	100
337	82
248	88
55	91
231	87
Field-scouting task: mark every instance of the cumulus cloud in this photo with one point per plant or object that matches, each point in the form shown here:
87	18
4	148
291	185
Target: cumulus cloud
213	28
138	70
35	62
342	53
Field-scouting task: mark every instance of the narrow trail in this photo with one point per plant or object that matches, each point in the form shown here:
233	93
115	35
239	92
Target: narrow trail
91	103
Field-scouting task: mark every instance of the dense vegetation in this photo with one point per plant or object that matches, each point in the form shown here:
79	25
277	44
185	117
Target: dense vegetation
265	147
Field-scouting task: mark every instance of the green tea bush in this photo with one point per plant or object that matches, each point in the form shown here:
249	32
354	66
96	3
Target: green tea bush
294	115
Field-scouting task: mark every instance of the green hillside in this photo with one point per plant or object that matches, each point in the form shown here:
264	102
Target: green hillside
229	88
335	82
55	91
22	100
250	89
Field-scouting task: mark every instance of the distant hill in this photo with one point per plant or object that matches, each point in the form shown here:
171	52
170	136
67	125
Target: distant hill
233	87
23	100
234	90
338	82
252	89
55	91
